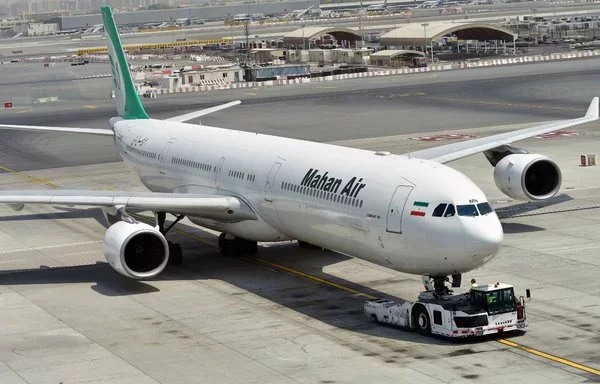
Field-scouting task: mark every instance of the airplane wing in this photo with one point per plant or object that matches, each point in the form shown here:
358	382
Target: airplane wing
216	207
455	151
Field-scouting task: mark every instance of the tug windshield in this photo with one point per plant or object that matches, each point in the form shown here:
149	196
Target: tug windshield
500	301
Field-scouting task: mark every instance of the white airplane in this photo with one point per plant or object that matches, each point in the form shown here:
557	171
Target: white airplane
410	213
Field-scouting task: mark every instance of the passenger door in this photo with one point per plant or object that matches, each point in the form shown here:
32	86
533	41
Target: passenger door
165	155
166	150
396	208
270	181
218	170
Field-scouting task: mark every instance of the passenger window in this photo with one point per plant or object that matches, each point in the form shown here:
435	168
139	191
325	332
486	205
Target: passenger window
467	210
450	211
439	210
484	208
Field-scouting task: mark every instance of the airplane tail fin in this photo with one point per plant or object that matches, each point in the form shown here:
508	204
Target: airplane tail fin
129	105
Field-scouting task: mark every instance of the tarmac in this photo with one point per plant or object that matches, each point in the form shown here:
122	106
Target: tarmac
343	110
291	315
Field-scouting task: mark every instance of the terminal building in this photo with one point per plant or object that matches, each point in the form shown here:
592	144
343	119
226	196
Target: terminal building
432	36
401	46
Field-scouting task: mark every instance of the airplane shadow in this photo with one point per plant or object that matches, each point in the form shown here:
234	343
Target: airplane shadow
65	213
309	298
327	304
106	281
519	209
510	228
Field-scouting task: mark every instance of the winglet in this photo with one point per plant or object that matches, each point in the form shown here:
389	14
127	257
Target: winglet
592	111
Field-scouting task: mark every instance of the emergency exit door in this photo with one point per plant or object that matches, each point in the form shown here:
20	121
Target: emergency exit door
396	208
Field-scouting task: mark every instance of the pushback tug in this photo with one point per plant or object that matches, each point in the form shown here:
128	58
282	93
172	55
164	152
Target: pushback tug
483	310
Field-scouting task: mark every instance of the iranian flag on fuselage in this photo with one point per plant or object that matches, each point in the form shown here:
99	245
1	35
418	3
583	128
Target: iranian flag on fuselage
418	208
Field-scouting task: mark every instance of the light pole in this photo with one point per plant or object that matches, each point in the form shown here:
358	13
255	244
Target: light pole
424	25
303	41
247	33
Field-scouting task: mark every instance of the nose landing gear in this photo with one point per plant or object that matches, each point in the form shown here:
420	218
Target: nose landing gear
437	284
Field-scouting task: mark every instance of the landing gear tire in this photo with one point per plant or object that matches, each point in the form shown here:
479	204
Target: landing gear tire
250	247
237	246
175	254
305	245
224	245
422	322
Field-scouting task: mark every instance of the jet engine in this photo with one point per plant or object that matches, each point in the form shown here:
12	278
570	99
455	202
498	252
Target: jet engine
527	176
136	249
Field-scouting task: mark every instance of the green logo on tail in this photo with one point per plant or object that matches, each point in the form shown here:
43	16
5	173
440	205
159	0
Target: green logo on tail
129	105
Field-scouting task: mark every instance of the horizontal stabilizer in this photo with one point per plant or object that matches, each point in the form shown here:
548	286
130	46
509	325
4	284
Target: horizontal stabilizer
203	112
37	128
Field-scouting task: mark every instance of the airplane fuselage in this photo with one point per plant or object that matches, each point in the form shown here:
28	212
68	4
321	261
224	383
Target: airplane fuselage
374	206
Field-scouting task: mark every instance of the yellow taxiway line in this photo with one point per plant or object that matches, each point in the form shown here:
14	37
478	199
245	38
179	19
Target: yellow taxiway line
320	280
549	356
30	178
332	284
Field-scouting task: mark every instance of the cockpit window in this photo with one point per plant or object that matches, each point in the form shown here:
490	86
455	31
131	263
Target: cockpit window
484	208
439	210
467	210
450	211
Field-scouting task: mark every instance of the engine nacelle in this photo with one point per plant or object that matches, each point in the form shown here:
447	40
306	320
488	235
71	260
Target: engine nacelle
527	177
136	250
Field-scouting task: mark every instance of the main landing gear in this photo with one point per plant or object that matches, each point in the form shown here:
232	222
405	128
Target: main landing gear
175	253
230	245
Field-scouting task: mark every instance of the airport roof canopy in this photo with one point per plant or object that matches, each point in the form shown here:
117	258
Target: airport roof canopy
298	36
418	34
393	53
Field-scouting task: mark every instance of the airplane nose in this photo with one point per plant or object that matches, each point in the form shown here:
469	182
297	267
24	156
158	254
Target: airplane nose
484	238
